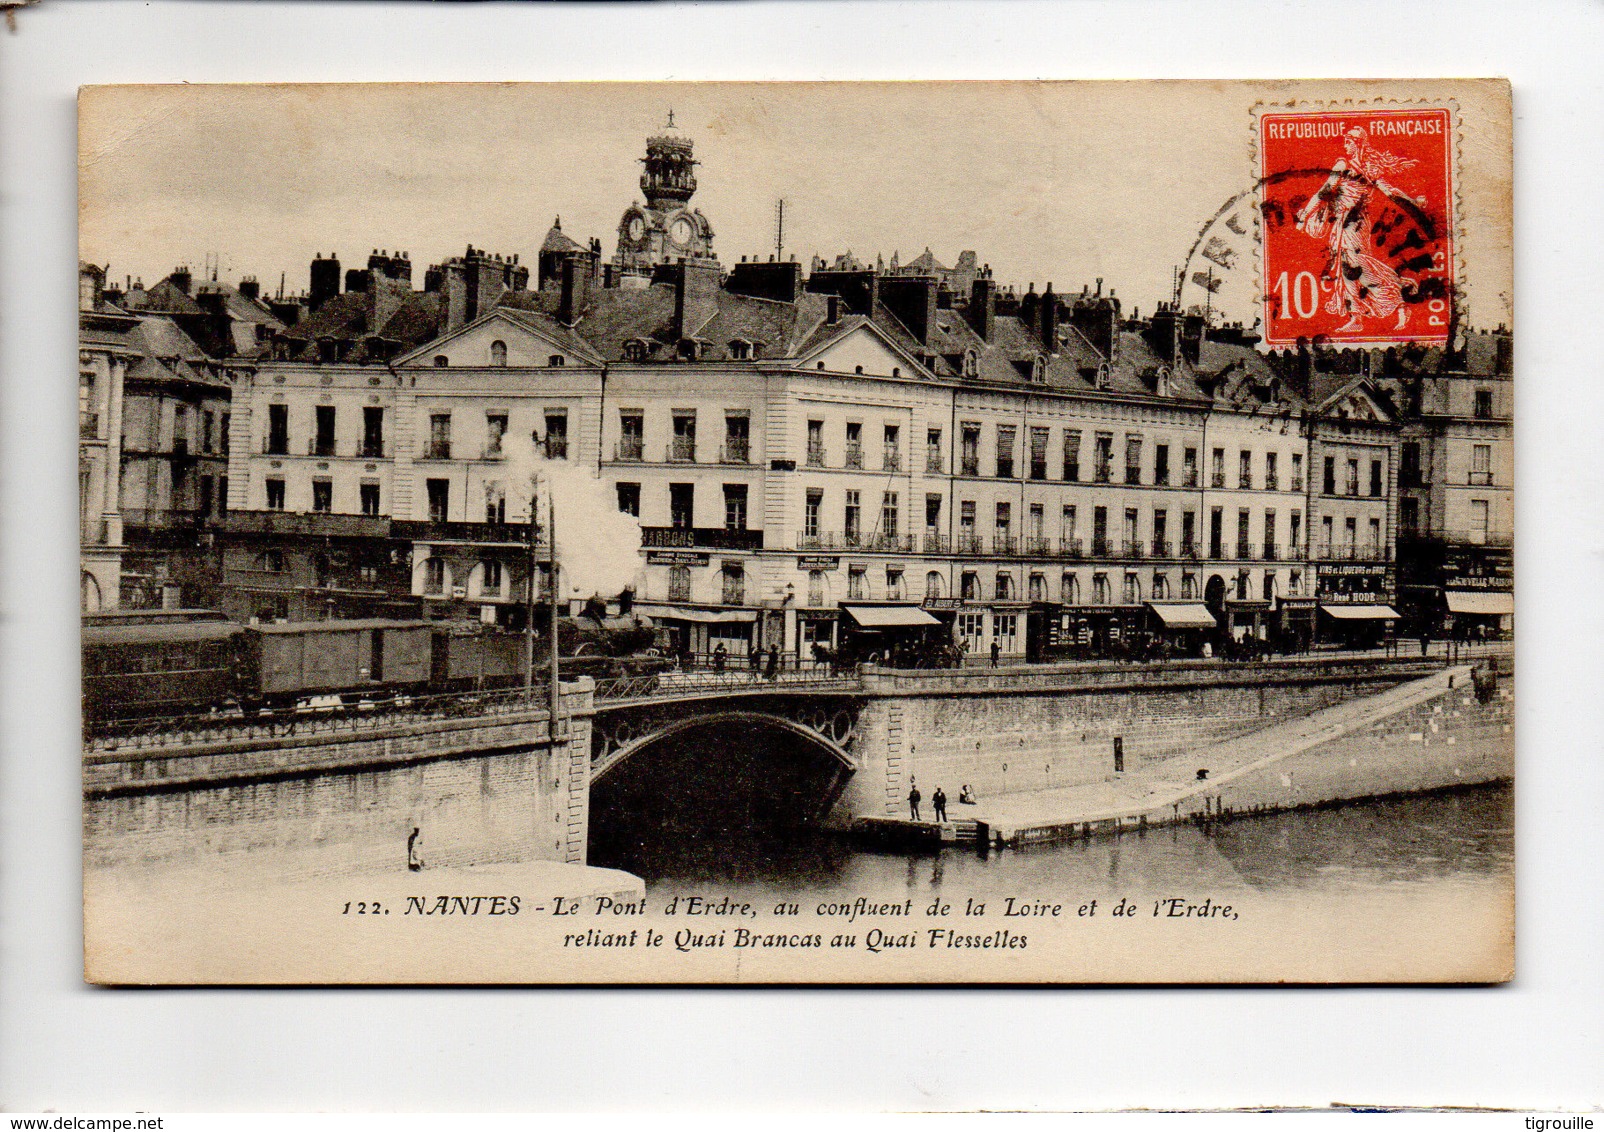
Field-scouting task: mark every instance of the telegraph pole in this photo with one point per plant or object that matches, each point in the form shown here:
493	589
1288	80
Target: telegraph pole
779	231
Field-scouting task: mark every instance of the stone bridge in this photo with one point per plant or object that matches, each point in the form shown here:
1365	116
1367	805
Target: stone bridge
489	779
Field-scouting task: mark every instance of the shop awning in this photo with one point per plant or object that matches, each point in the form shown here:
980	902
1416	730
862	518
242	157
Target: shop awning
1362	612
1484	603
700	616
1184	616
889	616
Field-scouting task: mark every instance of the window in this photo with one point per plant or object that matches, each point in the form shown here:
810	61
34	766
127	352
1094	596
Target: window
556	361
1244	474
1350	534
441	361
1272	478
1188	534
855	582
372	431
852	518
854	444
1100	546
206	487
734	583
679	583
490	578
629	499
894	583
556	434
1243	549
969	589
1353	476
1375	477
1374	545
1035	531
970	455
1216	531
971	626
636	350
439	492
1161	546
498	353
1296	532
495	504
275	494
735	507
180	429
815	444
222	433
1069	589
1409	514
1268	593
439	437
1189	468
889	523
933	463
208	426
1103	457
1480	519
323	444
1409	464
968	541
1481	465
740	349
1295	583
434	576
932	516
1038	588
631	434
1217	472
1327	541
1297	472
891	449
1038	452
368	494
1329	487
322	495
1161	587
1005	586
1005	531
1068	543
815	588
933	585
1244	586
1269	536
1071	455
682	506
272	561
1161	465
1484	403
1133	459
278	430
810	513
1188	587
1133	544
495	429
971	363
1101	595
737	438
682	449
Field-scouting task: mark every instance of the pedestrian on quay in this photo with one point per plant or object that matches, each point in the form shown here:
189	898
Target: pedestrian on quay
773	667
996	651
1425	640
939	801
720	655
913	800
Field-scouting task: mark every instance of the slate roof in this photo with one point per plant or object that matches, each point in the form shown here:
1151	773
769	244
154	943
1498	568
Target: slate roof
349	317
557	241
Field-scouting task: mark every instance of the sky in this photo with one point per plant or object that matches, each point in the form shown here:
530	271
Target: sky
1047	182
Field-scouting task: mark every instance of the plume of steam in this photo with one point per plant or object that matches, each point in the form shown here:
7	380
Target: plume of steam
598	546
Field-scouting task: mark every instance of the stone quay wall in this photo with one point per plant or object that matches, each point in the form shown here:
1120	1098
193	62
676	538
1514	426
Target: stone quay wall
1006	731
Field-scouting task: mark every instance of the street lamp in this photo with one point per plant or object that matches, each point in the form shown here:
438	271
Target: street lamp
554	698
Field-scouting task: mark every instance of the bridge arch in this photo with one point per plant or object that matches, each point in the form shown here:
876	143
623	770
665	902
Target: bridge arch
829	731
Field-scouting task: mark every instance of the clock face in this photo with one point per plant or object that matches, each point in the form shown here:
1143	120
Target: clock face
637	227
682	231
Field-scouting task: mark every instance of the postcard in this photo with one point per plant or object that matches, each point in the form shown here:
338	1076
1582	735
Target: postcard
778	533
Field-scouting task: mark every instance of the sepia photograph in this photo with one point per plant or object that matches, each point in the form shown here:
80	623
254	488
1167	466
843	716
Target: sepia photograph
794	533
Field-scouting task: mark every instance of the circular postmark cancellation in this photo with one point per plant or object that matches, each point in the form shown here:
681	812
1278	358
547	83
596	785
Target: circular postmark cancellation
1346	237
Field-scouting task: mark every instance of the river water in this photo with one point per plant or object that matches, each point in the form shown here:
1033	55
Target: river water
1456	846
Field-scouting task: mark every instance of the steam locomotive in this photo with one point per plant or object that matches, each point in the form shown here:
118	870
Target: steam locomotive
180	662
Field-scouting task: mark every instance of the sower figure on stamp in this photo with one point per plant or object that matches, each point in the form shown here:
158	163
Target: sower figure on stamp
939	801
913	801
1362	286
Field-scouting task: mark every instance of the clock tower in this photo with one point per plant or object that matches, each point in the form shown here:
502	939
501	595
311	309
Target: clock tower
665	229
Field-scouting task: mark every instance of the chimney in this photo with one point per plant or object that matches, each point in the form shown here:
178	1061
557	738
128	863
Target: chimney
182	279
983	307
832	310
1192	329
325	280
1027	308
1097	319
575	291
250	288
1166	334
781	282
357	279
860	290
912	298
695	296
1048	318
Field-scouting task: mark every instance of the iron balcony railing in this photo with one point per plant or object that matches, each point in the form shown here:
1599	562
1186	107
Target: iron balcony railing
681	450
1244	551
937	544
970	544
1069	548
1161	478
735	451
1272	482
815	457
1244	483
1072	474
320	447
1038	469
1190	550
276	446
1189	478
88	425
891	460
630	450
1356	552
1217	480
1100	475
1038	547
1481	479
933	465
970	466
1133	473
1004	544
1133	548
1270	552
1296	484
372	450
1161	549
438	451
1102	548
1005	468
854	457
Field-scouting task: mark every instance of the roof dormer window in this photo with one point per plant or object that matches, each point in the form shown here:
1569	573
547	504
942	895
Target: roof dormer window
971	364
498	353
1038	371
441	361
1161	384
1105	376
740	350
636	350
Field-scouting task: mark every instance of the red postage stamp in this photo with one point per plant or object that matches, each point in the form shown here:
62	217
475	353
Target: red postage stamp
1358	224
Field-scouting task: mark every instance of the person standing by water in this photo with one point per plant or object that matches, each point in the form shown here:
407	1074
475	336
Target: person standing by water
719	656
996	651
939	801
913	800
773	666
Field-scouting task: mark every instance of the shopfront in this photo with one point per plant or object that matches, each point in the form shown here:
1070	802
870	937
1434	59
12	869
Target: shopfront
689	631
1481	614
1182	627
